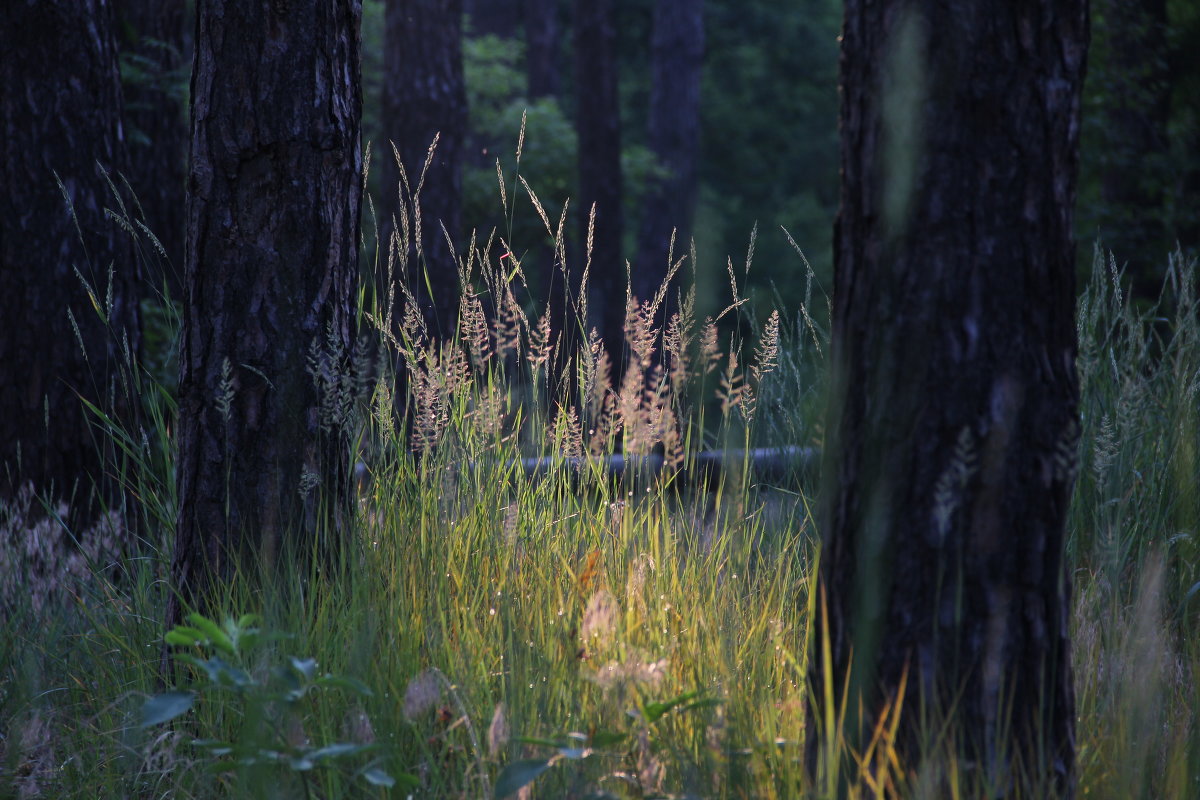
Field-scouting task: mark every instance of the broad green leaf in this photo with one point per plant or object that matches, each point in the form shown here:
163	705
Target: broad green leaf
336	750
518	774
307	667
377	777
702	703
607	738
183	636
575	753
213	631
166	706
655	711
349	684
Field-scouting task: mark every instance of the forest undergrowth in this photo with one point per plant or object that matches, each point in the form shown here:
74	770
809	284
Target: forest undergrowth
492	630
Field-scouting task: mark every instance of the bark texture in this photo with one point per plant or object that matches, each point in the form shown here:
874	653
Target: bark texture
275	186
152	44
953	428
60	114
598	122
542	48
677	54
425	96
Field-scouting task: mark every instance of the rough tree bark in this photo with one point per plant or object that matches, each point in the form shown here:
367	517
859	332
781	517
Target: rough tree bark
598	122
425	96
542	48
60	114
275	184
152	38
677	54
953	423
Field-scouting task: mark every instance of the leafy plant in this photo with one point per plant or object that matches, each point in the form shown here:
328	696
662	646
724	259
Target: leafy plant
632	748
264	703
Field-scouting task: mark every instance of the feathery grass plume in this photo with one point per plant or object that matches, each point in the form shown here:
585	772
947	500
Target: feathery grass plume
385	411
44	563
541	346
423	692
357	727
636	582
225	390
490	411
766	353
637	669
500	181
506	328
732	390
710	350
599	618
568	433
948	491
474	327
537	206
499	732
602	400
438	376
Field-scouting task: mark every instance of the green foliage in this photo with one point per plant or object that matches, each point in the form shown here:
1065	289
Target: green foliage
576	746
263	704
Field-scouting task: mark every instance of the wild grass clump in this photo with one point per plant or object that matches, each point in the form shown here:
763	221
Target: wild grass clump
566	631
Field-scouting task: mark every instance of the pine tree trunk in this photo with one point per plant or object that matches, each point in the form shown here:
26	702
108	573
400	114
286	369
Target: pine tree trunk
677	54
152	39
424	97
953	425
60	111
1133	123
275	187
542	48
493	17
598	122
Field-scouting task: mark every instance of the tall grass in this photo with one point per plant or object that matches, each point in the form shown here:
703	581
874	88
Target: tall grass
502	618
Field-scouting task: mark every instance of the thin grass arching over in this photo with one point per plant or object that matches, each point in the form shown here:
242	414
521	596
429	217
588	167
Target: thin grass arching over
567	630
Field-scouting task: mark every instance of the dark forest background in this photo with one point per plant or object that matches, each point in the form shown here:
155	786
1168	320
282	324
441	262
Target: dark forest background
767	127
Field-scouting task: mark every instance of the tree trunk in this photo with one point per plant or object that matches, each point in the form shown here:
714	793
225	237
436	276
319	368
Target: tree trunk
152	41
275	185
953	424
542	48
494	17
424	97
598	122
60	107
677	53
1133	119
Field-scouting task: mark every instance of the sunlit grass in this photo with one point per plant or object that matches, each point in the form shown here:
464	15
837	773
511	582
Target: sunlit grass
486	607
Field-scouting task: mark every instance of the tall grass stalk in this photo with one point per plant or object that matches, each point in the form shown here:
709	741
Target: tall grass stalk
490	610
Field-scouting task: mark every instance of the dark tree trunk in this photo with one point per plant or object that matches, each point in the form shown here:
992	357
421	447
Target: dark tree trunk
496	17
275	186
60	111
677	53
598	122
152	42
953	423
424	97
1133	119
542	49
